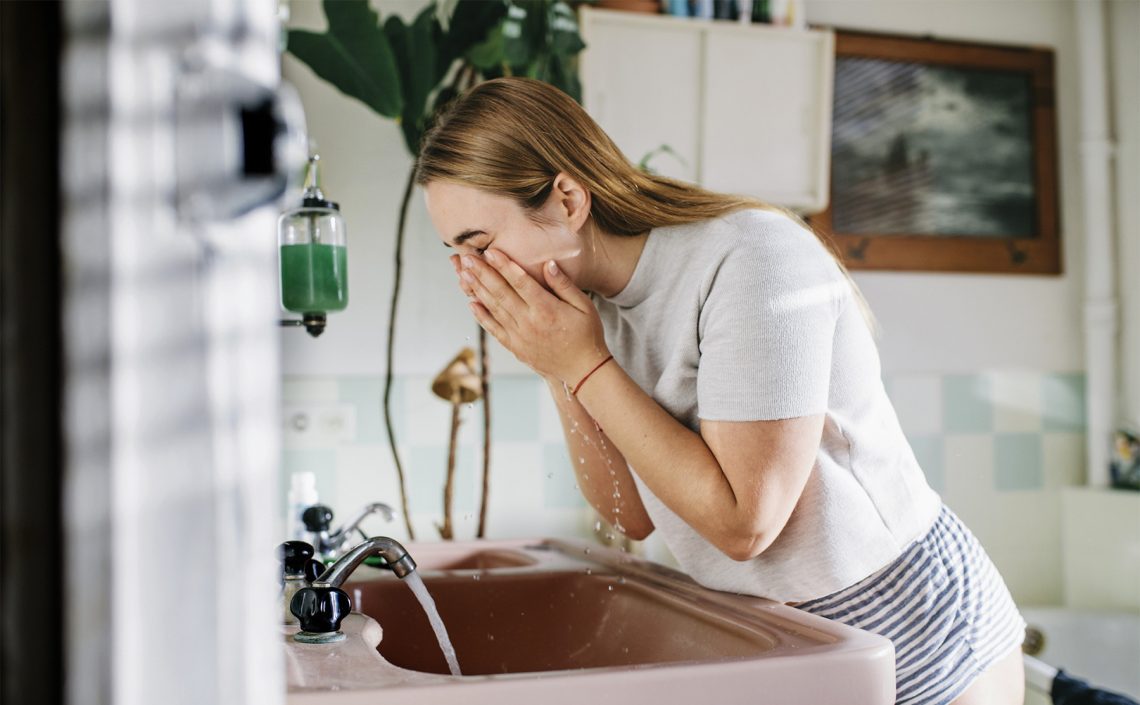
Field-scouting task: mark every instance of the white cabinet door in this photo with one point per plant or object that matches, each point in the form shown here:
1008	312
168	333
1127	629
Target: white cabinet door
747	107
766	123
641	83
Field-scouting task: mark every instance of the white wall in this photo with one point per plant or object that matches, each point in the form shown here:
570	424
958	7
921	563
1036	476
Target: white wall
931	322
1125	61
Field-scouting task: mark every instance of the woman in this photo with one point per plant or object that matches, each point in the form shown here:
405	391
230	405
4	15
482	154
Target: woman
717	379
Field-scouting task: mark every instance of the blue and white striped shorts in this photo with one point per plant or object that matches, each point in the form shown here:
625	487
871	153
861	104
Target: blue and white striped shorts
943	605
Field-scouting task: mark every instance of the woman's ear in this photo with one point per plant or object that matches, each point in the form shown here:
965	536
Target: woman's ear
575	200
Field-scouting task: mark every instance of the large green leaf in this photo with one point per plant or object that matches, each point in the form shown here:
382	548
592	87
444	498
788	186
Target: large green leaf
416	52
471	24
353	55
488	54
517	27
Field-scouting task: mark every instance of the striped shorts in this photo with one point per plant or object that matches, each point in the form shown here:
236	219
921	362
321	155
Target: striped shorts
942	604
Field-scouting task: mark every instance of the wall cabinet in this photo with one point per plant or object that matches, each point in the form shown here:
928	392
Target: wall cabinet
745	108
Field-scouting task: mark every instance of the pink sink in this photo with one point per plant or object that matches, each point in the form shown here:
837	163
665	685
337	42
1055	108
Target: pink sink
545	619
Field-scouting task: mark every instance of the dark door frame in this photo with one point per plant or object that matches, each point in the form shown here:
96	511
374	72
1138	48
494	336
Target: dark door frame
31	353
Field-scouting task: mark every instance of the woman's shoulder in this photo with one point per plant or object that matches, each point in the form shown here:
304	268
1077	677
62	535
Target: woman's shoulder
773	242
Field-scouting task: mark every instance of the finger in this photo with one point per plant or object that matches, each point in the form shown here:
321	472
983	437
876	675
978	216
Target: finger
491	300
463	286
455	262
564	288
488	322
524	284
494	291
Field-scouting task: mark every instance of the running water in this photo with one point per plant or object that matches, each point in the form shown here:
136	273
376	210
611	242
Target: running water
417	585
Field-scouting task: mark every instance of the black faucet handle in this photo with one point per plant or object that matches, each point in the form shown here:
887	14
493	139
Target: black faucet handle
313	570
320	610
317	518
294	557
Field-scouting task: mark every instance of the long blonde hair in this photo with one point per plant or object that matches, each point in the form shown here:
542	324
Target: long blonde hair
513	136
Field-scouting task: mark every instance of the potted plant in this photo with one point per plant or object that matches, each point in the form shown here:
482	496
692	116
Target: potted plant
407	71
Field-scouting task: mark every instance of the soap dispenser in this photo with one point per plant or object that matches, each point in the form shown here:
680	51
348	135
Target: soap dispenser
312	242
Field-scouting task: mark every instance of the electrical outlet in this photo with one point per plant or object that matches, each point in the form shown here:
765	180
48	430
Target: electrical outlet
318	425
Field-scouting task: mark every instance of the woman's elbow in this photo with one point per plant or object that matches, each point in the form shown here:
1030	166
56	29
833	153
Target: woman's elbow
637	530
746	545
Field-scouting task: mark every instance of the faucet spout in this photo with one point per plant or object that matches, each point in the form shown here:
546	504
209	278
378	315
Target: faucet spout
394	554
340	536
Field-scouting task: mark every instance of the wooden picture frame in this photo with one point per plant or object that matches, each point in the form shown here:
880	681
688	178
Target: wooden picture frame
943	157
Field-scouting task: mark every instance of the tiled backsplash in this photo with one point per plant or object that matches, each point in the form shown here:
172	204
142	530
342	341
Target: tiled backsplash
998	446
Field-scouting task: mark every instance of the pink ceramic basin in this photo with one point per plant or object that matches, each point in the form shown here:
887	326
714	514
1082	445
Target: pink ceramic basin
528	616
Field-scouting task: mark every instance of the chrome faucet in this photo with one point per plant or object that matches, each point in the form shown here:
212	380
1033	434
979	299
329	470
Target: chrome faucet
394	554
330	543
321	607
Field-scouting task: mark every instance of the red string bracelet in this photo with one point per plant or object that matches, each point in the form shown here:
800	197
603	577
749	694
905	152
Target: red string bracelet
583	380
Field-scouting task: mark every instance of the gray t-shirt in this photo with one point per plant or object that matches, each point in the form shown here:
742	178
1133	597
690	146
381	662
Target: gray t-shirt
747	317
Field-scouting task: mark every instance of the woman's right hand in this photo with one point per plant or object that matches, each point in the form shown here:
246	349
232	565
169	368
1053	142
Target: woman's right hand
462	285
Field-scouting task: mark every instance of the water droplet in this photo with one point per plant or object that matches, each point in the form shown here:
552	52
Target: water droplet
625	649
609	536
621	580
586	551
576	486
610	588
475	577
597	526
617	510
581	460
589	571
470	406
490	637
549	475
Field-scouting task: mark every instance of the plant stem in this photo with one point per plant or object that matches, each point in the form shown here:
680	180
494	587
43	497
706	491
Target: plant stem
391	348
446	532
485	383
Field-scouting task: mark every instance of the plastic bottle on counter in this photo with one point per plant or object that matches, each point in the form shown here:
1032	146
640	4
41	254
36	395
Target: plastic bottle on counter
302	495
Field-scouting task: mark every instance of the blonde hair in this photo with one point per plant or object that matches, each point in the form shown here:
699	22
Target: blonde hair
512	137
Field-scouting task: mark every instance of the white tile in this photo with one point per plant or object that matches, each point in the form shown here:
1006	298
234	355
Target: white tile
1016	397
968	464
1063	455
1101	548
302	389
428	420
366	474
917	399
549	423
1020	531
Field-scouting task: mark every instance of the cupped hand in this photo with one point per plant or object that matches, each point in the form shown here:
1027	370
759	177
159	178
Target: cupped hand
558	335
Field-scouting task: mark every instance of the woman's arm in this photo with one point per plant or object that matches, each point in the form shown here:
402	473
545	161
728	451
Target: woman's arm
600	467
736	483
737	490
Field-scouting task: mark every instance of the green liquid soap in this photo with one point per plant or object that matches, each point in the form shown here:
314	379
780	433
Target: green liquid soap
314	277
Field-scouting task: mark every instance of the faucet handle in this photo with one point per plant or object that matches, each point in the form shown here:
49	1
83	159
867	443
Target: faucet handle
294	557
320	610
317	518
313	570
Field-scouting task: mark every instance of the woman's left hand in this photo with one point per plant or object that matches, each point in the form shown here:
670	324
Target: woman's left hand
557	335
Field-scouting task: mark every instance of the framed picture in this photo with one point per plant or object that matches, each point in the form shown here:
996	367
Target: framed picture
943	157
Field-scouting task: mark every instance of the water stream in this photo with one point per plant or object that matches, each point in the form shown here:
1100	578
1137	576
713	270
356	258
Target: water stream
420	590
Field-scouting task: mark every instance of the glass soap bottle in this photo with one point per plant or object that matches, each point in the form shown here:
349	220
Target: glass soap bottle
313	246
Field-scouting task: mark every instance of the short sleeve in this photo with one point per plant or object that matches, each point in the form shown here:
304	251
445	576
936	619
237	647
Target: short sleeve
767	329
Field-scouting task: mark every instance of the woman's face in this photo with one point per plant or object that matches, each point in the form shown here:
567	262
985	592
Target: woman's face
470	221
